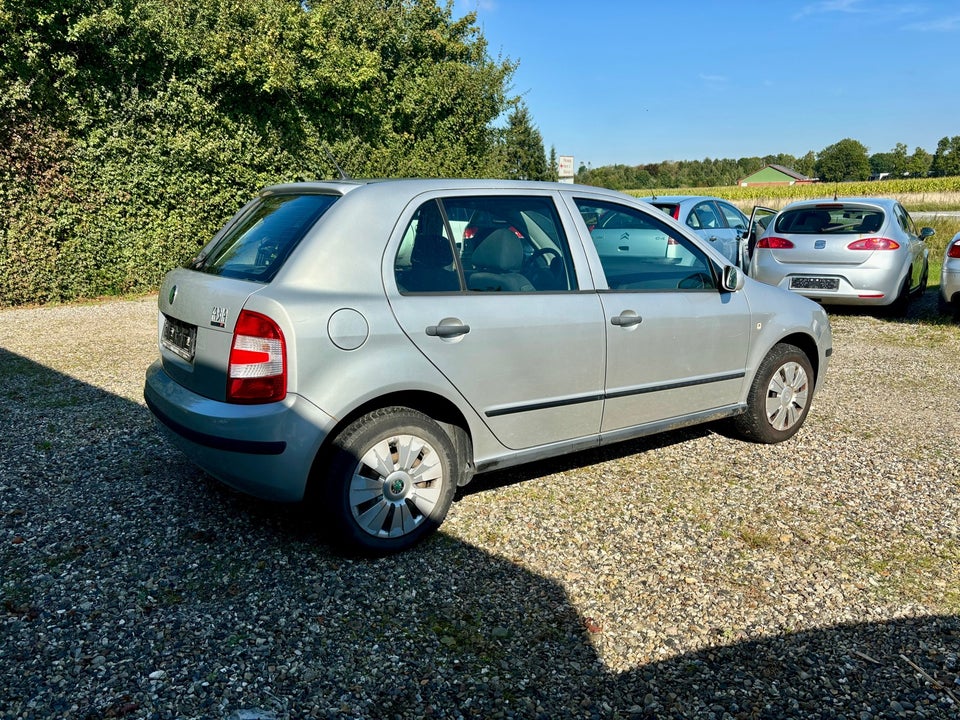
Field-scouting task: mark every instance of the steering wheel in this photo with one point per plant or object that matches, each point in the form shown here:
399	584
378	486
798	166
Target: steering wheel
543	252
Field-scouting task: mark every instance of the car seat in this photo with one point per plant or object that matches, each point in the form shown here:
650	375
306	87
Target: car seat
498	259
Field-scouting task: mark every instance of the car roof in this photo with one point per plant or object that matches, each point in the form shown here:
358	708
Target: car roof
677	198
415	186
825	203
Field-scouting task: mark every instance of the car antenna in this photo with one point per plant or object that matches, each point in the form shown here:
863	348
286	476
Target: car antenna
331	158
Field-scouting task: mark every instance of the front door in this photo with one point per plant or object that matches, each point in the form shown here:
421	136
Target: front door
676	344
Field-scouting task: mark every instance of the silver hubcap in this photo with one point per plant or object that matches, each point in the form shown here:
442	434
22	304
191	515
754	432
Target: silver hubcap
396	485
787	396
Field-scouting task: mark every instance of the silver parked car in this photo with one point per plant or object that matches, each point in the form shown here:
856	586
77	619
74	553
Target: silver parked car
715	220
949	299
847	251
374	345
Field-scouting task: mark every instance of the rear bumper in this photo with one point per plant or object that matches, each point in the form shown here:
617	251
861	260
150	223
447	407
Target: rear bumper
856	286
263	450
950	282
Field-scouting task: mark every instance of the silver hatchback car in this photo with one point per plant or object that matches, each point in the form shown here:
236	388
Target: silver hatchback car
847	251
371	346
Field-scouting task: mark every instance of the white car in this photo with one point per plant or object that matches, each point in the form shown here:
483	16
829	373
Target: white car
950	278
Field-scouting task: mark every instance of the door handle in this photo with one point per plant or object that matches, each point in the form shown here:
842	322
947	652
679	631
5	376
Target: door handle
450	330
625	320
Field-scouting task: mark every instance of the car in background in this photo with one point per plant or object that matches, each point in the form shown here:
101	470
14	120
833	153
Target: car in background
949	299
716	220
371	346
845	251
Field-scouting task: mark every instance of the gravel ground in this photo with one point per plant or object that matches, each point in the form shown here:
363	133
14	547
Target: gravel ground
688	575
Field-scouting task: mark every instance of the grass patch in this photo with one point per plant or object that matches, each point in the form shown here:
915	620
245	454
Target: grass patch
906	573
757	539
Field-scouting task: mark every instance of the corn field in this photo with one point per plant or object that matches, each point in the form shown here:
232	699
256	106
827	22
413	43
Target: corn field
915	193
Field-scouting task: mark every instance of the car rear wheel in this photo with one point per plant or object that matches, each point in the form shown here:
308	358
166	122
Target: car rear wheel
898	308
391	481
779	397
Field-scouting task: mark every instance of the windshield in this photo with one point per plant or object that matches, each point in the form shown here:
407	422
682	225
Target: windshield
257	246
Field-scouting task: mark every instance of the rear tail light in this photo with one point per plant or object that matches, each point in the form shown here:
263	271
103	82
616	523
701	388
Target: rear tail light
676	212
257	371
954	250
775	243
874	243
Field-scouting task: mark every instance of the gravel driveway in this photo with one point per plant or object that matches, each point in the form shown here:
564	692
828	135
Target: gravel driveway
688	575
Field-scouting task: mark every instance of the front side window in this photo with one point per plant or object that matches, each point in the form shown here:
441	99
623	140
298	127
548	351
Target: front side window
639	252
257	246
485	244
735	219
906	222
704	217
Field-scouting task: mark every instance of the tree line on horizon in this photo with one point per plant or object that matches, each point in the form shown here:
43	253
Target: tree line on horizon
846	160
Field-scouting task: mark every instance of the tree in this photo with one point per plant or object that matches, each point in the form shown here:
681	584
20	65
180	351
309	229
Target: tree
881	163
807	165
900	161
919	163
845	160
553	165
130	129
523	148
946	159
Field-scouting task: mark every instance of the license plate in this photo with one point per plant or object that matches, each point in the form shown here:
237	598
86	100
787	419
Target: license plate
179	337
815	283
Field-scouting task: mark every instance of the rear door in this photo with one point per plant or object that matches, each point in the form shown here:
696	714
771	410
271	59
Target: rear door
676	345
529	362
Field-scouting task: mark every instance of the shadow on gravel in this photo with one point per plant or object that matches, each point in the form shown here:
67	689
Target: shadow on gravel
135	587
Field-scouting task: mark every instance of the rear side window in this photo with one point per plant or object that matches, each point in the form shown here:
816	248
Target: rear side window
257	246
485	244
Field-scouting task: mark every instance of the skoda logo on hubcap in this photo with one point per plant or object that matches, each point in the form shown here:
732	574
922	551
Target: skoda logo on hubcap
396	487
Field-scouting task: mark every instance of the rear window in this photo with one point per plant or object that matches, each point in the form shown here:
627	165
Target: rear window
256	247
671	209
833	220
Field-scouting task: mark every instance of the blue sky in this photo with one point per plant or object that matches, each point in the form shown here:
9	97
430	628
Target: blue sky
634	82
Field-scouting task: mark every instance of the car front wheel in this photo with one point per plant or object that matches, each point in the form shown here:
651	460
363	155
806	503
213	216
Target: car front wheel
391	481
779	397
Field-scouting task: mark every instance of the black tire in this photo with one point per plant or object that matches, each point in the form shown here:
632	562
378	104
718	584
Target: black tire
401	493
779	397
898	308
948	308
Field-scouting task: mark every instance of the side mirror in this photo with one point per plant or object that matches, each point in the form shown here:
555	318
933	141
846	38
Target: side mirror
927	232
733	279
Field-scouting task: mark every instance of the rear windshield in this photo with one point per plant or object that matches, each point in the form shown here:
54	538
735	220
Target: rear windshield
671	209
833	220
257	246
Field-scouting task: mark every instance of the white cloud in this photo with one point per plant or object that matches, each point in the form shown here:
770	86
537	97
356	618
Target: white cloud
946	24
